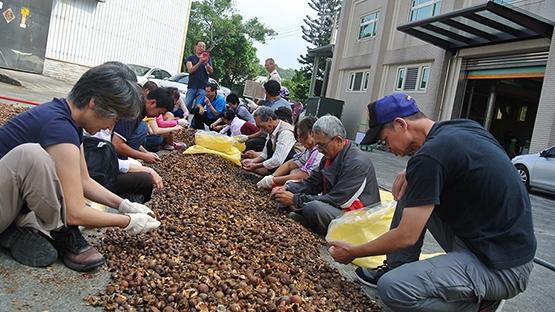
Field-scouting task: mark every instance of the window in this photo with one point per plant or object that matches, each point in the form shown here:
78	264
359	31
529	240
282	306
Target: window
368	25
412	78
422	9
358	81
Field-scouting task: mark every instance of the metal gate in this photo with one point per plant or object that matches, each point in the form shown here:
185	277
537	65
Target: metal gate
23	33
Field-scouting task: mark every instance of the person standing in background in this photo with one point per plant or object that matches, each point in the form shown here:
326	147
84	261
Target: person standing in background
199	66
270	65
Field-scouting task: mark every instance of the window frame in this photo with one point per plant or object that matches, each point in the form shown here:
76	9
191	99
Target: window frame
423	76
414	9
362	25
364	81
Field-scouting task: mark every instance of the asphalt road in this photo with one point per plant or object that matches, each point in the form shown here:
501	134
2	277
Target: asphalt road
30	289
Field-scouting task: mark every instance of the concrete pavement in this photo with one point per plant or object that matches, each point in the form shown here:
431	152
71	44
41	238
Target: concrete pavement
30	289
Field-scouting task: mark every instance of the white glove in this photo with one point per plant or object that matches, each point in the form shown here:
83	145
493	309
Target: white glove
140	223
242	138
183	122
251	104
129	207
266	182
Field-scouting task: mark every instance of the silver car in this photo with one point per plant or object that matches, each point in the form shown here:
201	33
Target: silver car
537	170
180	81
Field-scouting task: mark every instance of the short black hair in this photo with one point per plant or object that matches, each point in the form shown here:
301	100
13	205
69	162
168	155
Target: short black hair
163	98
232	98
228	114
212	86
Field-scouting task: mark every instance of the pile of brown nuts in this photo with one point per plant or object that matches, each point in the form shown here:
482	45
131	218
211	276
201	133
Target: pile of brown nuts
223	245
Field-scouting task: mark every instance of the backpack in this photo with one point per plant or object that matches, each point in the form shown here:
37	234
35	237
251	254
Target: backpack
102	162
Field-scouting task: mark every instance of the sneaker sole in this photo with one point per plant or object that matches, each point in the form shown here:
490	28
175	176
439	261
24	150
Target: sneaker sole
366	283
30	249
83	267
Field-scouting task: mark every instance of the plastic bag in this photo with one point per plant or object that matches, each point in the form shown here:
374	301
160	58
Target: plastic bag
207	142
361	226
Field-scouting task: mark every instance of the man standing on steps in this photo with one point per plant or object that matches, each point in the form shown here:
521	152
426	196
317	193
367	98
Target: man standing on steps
471	199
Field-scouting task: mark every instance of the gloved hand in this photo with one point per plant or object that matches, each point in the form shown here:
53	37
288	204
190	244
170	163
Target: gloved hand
242	138
129	207
266	182
183	122
140	223
252	105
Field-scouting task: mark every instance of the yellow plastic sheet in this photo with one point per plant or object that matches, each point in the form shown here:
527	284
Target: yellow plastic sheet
361	226
217	144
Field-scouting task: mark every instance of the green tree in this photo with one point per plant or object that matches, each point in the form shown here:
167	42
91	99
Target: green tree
298	87
229	40
318	32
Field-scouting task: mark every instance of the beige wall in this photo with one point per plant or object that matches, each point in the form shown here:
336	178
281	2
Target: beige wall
390	49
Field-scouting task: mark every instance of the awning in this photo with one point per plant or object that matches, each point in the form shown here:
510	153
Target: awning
483	24
323	51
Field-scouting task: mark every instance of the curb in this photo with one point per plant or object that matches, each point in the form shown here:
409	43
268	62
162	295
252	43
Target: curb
6	79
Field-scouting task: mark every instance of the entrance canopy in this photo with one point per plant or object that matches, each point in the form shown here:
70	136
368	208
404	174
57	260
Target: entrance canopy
483	24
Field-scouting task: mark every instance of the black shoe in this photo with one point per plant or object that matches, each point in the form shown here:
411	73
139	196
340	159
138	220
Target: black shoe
28	246
76	252
370	277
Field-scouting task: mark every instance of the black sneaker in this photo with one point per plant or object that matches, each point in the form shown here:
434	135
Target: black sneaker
28	246
370	277
76	252
491	305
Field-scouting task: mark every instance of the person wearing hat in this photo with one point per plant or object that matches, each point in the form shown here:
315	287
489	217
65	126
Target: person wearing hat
471	199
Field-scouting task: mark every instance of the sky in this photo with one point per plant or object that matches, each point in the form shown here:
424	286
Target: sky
285	17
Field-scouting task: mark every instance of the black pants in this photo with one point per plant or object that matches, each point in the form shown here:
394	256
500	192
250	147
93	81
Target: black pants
139	183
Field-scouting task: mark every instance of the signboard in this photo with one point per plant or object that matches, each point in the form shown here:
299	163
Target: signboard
254	90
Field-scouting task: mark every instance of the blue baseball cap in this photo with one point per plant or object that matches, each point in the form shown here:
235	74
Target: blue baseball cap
386	110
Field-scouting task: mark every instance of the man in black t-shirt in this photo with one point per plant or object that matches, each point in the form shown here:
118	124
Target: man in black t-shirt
471	199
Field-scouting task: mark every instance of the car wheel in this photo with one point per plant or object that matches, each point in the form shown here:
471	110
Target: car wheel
524	175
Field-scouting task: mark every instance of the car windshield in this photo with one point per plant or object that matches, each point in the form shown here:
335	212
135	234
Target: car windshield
181	78
138	69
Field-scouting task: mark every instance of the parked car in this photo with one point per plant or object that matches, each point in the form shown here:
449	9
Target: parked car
537	170
180	81
145	73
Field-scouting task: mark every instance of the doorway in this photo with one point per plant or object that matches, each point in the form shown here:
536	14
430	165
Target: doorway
506	107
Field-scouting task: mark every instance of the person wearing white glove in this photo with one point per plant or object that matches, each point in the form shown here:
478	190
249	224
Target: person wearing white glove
183	122
242	138
252	105
266	182
140	223
127	206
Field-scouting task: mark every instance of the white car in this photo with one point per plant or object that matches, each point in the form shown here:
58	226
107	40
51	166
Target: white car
180	81
537	170
145	73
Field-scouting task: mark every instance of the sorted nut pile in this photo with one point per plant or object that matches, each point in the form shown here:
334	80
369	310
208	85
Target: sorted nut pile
222	246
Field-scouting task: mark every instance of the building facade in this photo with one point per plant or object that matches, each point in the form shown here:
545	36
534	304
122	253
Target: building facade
492	62
63	38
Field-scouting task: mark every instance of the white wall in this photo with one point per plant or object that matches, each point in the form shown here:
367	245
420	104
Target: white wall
86	33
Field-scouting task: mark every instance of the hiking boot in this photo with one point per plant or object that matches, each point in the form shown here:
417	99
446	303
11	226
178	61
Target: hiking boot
370	277
76	252
28	246
491	305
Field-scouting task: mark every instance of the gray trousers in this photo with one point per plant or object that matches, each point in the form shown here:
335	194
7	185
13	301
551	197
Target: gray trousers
28	176
456	281
319	215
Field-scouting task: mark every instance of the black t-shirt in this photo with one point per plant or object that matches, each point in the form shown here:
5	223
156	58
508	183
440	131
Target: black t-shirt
466	174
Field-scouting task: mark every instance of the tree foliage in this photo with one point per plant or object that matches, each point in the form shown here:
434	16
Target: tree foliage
318	32
229	40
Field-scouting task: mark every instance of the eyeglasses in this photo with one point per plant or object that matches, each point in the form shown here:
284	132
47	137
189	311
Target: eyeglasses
321	147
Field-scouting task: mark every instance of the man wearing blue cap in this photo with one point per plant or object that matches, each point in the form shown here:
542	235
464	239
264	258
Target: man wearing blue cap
471	199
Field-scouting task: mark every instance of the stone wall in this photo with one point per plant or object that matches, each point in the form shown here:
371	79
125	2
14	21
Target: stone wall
65	71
